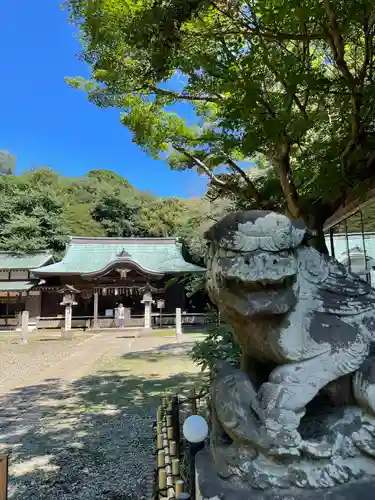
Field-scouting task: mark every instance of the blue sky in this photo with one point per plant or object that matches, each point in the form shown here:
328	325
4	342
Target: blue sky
44	122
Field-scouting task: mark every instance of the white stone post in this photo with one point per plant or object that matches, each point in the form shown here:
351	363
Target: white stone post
24	326
148	315
178	324
19	322
67	332
96	309
68	318
147	301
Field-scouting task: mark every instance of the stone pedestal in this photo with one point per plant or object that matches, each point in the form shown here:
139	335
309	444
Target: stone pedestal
209	486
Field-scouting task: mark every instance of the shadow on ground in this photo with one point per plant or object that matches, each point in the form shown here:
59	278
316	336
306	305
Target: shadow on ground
93	438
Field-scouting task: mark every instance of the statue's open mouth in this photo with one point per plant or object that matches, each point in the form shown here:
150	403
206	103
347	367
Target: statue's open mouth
260	286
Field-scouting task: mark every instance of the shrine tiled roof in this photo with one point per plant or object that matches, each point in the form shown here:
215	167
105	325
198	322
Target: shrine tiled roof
9	261
16	286
90	256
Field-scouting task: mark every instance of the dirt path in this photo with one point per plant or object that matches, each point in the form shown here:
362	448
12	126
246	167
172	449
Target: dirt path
82	428
78	363
66	361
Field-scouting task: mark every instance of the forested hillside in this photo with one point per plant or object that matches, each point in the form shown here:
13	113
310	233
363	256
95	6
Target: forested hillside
40	209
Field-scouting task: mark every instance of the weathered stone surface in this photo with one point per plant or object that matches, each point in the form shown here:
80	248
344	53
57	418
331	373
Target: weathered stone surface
305	325
213	487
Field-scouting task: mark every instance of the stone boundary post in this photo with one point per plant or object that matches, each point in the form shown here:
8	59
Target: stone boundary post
178	324
24	326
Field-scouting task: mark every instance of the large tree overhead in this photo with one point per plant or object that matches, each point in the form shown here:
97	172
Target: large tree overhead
283	84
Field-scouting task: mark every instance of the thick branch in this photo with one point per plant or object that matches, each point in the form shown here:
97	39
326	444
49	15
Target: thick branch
203	166
276	74
286	181
251	186
351	145
368	52
225	185
337	45
266	33
183	96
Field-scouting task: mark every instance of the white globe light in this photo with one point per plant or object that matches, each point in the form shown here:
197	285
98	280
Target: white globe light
195	429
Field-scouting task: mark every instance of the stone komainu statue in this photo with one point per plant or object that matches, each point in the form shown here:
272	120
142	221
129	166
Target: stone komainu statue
304	324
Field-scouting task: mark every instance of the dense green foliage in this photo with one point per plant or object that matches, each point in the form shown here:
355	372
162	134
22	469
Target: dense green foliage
39	210
286	85
217	345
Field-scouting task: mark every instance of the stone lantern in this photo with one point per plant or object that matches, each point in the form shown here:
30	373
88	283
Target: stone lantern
68	301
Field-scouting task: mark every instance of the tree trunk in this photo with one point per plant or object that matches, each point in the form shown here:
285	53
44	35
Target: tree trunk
315	217
318	241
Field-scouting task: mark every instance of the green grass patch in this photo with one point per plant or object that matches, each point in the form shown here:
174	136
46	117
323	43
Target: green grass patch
171	332
139	379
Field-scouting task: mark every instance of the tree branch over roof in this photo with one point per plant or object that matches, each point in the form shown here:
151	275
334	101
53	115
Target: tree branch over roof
184	96
249	29
251	186
337	45
214	179
282	163
251	189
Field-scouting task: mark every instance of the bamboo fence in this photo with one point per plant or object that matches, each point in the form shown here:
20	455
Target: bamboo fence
171	482
3	477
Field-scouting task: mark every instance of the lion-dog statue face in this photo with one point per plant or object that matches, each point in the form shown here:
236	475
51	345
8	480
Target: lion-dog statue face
252	263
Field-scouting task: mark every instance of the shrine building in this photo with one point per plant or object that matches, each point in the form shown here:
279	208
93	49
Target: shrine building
101	273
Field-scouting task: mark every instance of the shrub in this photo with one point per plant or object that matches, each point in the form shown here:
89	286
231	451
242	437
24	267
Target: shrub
218	345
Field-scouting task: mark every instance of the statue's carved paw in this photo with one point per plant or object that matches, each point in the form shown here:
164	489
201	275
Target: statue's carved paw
364	440
284	451
281	427
317	449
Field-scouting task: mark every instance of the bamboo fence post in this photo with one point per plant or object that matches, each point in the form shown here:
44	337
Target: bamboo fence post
161	459
169	482
3	477
172	449
176	422
162	483
179	487
176	468
193	402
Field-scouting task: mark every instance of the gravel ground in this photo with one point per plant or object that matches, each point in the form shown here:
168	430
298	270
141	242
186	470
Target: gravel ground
81	453
91	438
23	362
